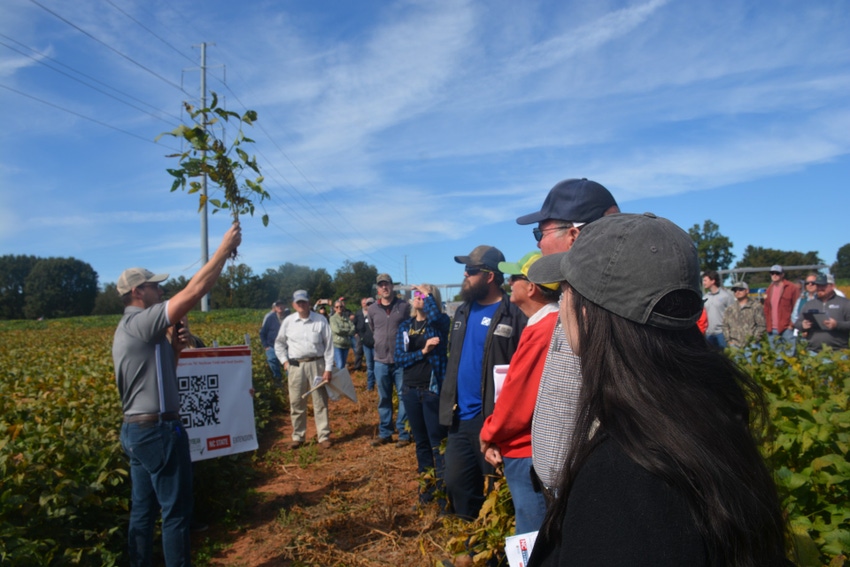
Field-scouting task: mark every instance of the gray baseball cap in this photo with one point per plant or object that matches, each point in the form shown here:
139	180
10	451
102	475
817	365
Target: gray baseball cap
483	257
300	295
626	263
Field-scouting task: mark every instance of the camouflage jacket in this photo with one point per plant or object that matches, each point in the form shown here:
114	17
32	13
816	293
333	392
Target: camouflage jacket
742	325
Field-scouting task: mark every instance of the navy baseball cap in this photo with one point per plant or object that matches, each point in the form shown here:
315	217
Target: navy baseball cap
573	200
626	264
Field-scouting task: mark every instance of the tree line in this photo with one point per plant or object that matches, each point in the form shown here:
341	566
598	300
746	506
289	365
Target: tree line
33	287
715	253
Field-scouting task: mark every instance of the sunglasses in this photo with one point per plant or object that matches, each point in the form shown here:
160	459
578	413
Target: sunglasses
470	271
418	295
517	278
775	273
538	232
811	283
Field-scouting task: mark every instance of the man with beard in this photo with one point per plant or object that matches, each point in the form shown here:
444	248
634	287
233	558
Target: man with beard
152	434
485	332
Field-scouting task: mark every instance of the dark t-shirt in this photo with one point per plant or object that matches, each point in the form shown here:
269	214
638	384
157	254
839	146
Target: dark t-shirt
417	375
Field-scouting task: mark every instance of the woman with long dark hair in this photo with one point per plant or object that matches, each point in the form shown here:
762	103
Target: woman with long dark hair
421	350
663	468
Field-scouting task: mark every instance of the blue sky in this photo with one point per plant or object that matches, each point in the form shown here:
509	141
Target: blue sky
405	133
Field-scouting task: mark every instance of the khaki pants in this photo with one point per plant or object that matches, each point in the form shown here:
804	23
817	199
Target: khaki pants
301	380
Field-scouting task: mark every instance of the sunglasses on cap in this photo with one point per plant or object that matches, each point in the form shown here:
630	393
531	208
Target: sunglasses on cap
472	271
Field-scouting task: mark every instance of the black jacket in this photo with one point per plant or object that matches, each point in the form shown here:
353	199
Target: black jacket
361	326
502	339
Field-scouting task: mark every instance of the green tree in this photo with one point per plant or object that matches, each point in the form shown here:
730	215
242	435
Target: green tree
108	302
174	285
290	277
841	267
238	287
354	280
714	249
60	287
13	274
758	257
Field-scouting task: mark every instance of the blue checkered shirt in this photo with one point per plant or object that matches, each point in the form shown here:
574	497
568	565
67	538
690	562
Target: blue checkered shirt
437	326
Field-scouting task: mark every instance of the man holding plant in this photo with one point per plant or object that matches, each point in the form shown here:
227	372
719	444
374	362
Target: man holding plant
152	434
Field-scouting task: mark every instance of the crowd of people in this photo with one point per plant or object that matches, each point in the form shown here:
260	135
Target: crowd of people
816	311
597	387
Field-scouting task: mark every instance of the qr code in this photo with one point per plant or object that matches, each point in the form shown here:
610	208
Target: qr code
199	400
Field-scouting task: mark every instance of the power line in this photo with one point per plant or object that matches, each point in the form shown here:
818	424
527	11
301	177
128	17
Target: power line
302	197
103	43
83	116
147	29
61	72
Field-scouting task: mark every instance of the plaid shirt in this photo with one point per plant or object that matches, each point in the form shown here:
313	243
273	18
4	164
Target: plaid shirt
437	325
555	410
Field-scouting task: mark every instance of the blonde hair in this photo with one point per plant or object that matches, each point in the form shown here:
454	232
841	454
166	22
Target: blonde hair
432	290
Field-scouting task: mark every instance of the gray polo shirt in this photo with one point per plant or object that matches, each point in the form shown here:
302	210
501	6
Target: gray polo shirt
145	367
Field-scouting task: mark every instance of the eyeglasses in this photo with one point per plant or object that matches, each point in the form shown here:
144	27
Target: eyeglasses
538	232
471	271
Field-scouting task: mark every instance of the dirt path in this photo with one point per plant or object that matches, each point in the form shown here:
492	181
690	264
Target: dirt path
351	505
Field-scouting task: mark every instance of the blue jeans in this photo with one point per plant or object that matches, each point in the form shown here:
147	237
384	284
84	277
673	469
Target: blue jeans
274	366
530	506
466	467
369	353
784	341
718	341
340	357
423	413
388	376
161	477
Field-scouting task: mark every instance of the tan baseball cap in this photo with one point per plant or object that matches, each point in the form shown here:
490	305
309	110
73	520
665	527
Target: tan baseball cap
134	277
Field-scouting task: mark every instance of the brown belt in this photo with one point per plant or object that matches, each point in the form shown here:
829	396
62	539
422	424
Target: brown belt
149	417
308	359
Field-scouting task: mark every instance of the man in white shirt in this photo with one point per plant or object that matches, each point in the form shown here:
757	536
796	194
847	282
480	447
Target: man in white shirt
305	348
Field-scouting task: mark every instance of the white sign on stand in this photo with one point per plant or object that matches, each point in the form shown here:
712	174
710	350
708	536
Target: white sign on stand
216	401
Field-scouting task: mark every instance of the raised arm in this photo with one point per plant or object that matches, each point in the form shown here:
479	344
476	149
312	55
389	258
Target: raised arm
203	281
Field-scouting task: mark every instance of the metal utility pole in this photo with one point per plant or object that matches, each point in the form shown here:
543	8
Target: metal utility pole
205	254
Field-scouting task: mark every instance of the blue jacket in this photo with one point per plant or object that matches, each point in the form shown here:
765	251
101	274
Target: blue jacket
269	330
